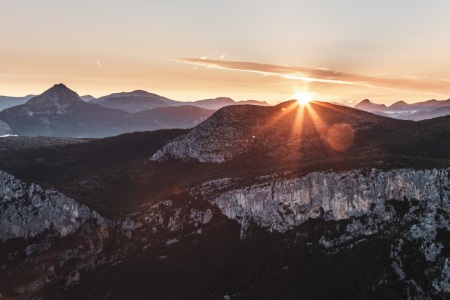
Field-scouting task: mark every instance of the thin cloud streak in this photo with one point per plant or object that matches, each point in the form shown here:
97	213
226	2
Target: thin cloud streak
98	63
305	74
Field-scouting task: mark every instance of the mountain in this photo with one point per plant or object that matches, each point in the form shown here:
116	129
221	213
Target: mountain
422	115
252	102
399	105
430	104
59	111
137	101
132	101
256	133
343	102
185	116
217	103
87	98
214	103
7	102
369	106
402	110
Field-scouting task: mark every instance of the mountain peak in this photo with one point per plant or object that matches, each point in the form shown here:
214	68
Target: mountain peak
58	96
60	86
399	103
367	105
140	92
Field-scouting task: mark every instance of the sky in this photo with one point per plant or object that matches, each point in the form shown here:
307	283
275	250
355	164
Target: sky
267	50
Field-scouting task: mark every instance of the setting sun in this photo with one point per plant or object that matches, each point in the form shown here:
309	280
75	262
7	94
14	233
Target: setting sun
303	98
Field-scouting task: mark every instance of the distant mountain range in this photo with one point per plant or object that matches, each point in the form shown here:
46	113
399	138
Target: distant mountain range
59	111
401	110
141	100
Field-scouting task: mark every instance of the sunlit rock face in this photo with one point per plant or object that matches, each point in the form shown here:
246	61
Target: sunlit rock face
26	211
280	204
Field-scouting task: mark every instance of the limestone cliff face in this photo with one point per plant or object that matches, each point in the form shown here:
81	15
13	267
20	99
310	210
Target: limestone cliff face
4	128
26	211
280	204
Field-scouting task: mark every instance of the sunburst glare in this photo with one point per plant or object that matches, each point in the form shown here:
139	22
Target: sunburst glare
303	98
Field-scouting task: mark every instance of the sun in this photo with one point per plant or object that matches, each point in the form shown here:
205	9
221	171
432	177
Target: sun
303	98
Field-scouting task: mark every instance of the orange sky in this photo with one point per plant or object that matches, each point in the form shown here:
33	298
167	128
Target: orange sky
266	50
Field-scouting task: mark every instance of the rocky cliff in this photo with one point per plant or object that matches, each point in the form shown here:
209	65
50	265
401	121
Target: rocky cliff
26	211
56	241
4	128
330	212
408	209
281	203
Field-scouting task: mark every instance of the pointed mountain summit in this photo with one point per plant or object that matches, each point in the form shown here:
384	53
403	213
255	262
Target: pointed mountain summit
59	98
283	132
59	111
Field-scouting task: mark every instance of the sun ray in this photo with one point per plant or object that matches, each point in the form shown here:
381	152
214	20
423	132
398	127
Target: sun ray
282	113
320	125
305	122
296	133
340	135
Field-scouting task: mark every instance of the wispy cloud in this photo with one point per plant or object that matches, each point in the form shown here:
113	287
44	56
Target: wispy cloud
99	64
305	74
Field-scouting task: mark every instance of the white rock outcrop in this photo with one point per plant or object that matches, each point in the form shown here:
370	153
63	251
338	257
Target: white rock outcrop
280	204
4	128
26	211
